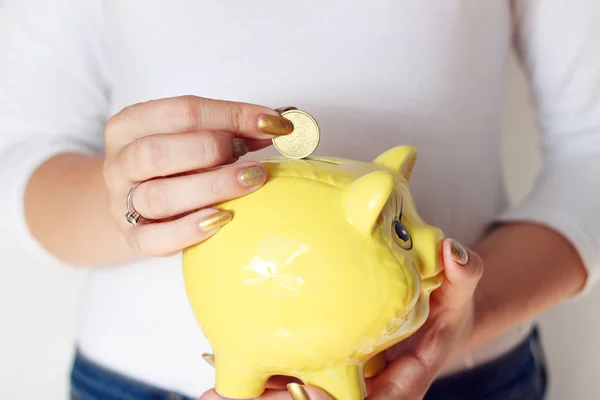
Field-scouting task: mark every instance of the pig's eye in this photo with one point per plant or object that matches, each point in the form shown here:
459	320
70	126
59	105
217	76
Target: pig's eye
401	235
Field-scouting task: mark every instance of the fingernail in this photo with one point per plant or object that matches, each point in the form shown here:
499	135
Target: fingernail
252	176
209	358
240	147
281	110
275	125
297	392
214	221
458	252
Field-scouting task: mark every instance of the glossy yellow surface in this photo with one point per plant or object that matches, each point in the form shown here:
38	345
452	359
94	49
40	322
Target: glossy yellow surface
318	272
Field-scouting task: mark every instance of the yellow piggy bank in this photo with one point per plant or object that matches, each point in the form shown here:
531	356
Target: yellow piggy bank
319	272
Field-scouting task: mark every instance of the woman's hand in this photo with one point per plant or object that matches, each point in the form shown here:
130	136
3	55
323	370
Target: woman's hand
415	362
181	152
418	360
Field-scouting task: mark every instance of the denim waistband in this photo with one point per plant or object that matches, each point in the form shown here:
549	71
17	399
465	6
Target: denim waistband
91	381
521	374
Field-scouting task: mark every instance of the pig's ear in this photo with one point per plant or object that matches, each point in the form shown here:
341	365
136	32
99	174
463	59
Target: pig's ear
365	198
400	159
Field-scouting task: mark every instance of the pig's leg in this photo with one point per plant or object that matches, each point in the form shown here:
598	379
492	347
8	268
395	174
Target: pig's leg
342	383
236	379
375	365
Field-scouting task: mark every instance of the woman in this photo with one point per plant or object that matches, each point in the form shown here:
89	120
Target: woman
97	96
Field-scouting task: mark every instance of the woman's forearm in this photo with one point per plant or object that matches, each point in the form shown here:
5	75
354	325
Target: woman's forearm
527	270
66	208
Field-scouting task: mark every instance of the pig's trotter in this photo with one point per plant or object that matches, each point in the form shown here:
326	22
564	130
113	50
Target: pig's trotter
375	365
236	380
342	383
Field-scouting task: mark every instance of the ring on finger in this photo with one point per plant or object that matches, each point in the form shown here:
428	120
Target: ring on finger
132	216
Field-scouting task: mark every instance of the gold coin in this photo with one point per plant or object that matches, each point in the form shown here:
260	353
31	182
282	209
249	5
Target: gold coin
303	140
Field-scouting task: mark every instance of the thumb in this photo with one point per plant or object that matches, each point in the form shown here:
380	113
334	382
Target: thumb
294	392
299	392
463	269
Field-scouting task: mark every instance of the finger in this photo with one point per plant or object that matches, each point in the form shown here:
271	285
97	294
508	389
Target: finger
209	358
193	113
293	392
281	382
416	363
253	145
407	378
167	197
162	238
258	144
414	367
306	392
462	269
162	155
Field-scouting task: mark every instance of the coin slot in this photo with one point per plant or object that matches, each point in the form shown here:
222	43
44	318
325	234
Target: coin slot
324	160
276	158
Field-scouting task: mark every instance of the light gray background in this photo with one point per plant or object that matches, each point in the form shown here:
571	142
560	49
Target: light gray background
37	302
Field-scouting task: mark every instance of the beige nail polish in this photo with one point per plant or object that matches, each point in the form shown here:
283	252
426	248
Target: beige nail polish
275	125
252	176
240	147
297	392
458	252
214	221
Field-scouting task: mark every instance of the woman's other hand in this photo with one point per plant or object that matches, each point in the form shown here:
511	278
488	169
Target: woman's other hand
180	152
417	361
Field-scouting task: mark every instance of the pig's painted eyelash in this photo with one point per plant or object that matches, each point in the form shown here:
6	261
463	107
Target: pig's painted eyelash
398	212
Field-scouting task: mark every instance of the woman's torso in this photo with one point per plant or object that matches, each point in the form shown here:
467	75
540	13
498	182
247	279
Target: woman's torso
374	74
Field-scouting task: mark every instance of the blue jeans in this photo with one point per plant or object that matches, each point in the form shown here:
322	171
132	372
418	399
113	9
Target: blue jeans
519	375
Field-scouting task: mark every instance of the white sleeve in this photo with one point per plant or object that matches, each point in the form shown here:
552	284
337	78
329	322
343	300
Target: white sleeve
558	42
53	97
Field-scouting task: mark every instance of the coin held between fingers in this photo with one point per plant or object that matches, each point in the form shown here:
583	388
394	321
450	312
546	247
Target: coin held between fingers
304	139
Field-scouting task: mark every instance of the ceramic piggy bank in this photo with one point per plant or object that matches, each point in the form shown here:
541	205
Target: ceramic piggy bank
319	271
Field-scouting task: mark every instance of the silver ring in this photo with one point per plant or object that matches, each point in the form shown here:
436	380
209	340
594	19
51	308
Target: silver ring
132	216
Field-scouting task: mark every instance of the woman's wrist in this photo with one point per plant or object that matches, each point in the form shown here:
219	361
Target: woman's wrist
528	268
67	212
